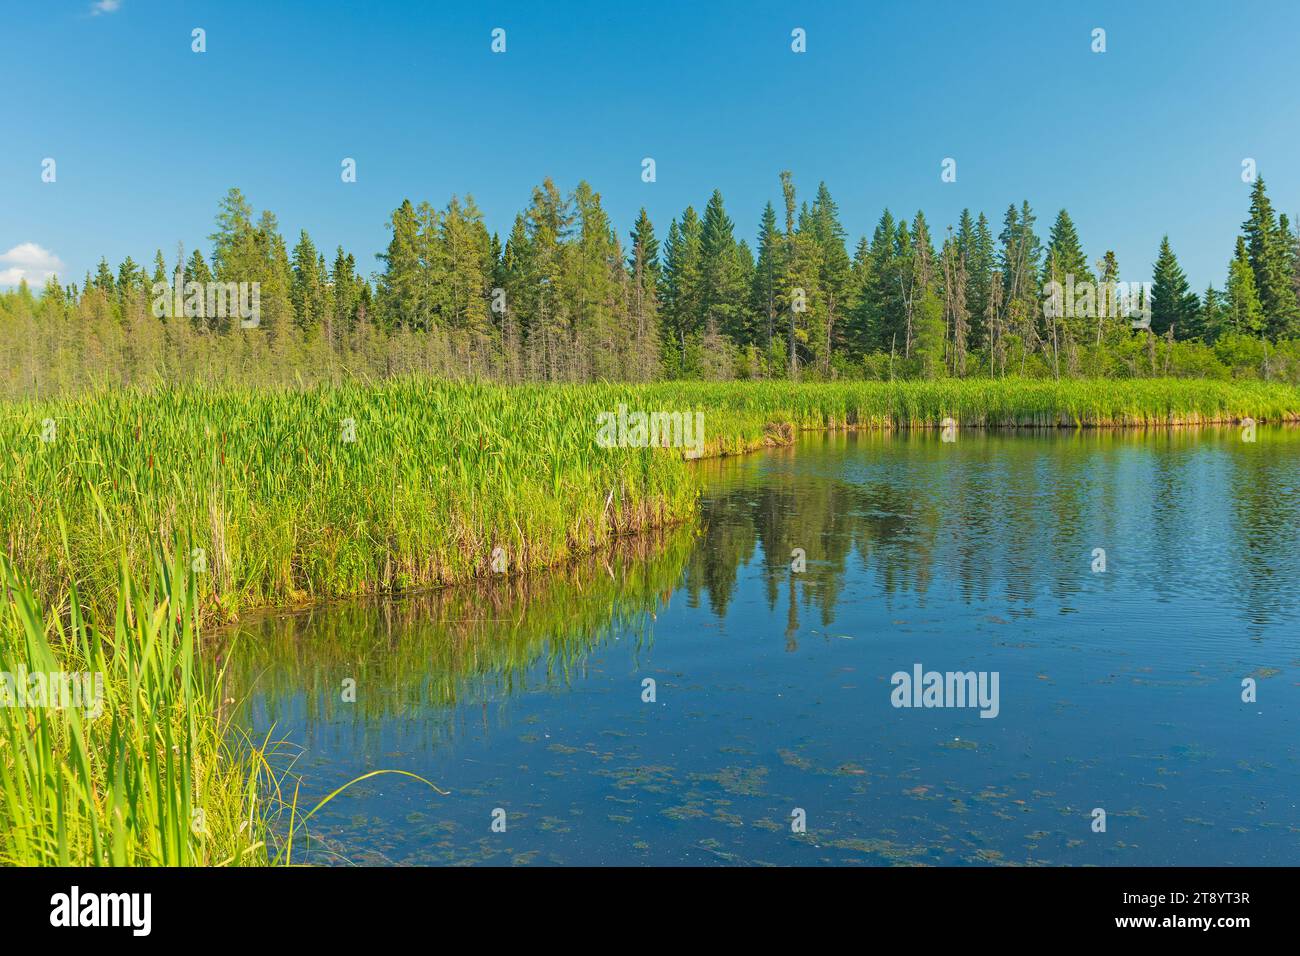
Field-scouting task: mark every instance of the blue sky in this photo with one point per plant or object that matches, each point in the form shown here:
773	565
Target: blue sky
1146	138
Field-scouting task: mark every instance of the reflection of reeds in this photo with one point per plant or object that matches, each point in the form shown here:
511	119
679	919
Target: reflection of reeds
416	653
289	507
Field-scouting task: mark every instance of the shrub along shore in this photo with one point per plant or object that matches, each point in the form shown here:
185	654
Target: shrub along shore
283	496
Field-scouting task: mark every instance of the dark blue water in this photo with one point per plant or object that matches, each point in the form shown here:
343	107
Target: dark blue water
1118	690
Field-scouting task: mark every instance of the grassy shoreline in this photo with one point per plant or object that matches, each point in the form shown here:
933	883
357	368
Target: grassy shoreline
230	500
285	497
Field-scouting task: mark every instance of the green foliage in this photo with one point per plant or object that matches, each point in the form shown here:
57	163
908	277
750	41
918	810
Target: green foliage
139	771
562	300
1242	313
722	275
1173	304
683	291
1272	261
297	495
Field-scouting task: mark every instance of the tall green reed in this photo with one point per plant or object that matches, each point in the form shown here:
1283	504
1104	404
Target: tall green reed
289	496
138	771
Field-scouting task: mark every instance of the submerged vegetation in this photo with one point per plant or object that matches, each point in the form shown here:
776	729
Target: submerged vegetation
287	496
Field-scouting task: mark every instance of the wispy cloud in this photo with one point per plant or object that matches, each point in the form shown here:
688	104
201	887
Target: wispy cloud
105	6
28	261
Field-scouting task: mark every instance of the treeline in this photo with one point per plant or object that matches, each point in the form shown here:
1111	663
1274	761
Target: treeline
563	299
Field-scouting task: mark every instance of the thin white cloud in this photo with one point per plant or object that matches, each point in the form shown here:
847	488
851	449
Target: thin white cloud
105	6
28	261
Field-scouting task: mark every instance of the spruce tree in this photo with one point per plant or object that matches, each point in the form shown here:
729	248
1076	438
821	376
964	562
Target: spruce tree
1063	246
881	309
682	272
590	285
644	274
1205	326
159	267
272	271
236	256
766	271
398	298
1242	312
307	287
1272	262
857	329
104	280
1113	319
346	289
465	252
1173	304
196	269
721	275
1019	255
130	278
975	248
549	220
835	271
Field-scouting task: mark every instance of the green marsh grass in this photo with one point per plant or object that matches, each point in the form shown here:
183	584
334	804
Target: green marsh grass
149	770
144	776
279	507
279	497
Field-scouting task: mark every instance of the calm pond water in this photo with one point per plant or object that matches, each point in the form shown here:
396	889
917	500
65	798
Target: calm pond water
773	687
